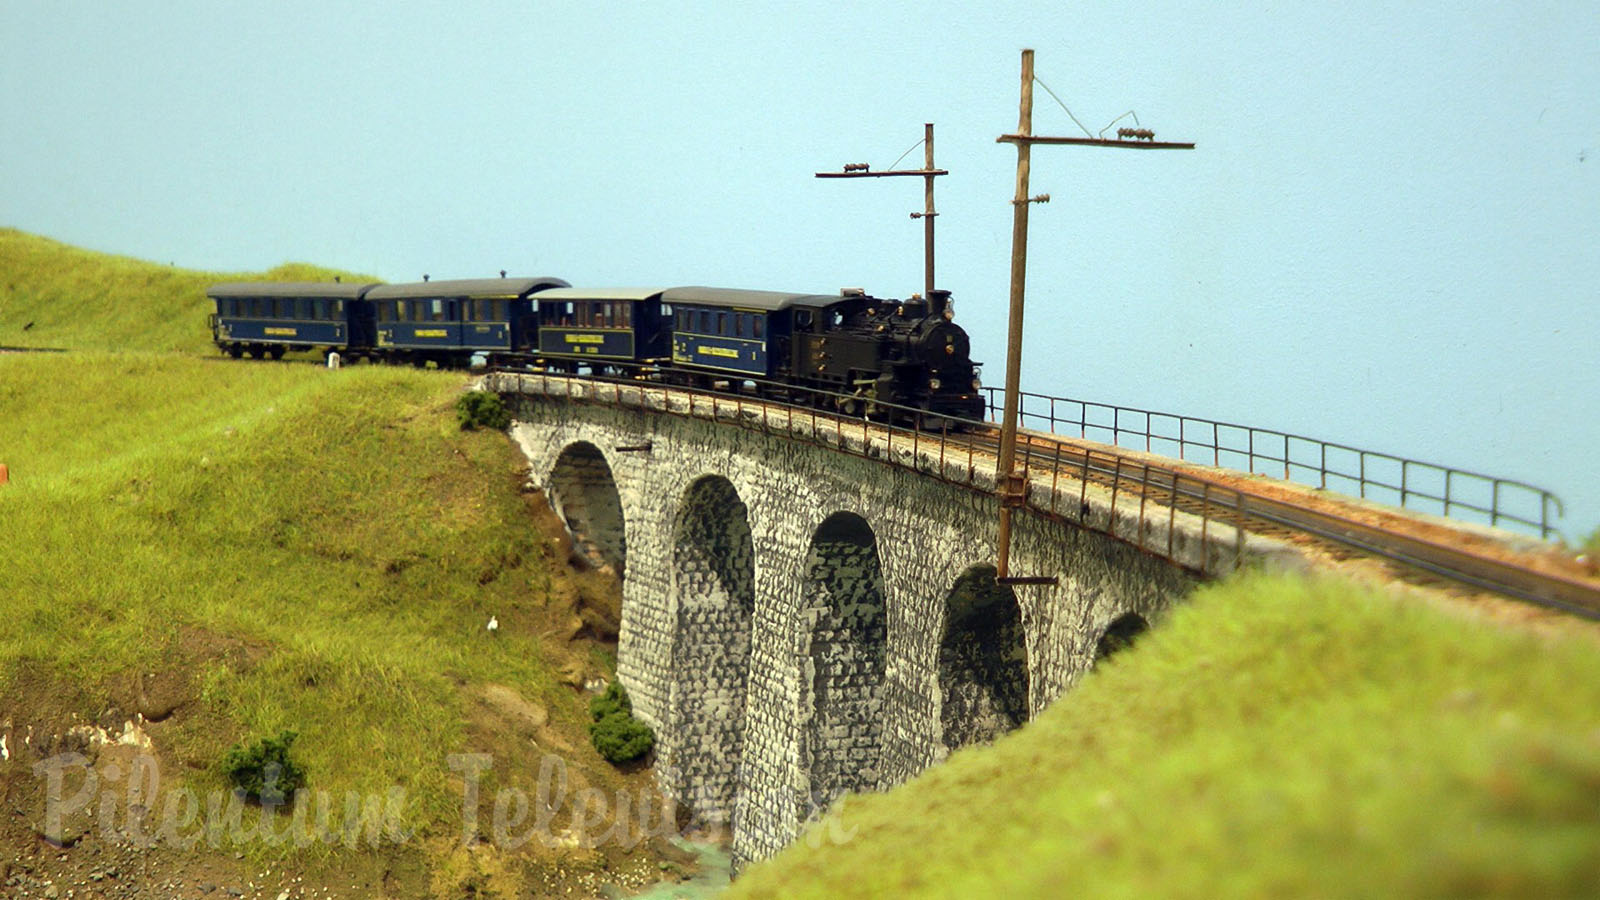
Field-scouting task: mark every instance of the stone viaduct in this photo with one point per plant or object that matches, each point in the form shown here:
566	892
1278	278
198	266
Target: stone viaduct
801	621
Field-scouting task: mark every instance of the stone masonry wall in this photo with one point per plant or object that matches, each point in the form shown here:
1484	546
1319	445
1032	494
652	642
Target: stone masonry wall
844	687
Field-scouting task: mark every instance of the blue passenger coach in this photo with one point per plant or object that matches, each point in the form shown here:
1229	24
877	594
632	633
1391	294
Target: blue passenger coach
268	318
445	322
602	327
729	330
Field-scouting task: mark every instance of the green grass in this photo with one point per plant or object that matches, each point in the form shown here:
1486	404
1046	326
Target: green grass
80	299
1273	738
323	548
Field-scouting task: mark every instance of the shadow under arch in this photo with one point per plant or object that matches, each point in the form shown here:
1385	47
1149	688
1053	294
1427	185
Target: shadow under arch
983	661
845	632
1119	635
584	494
713	578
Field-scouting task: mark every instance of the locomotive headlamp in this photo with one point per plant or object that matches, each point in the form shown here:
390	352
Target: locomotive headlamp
933	383
977	385
949	314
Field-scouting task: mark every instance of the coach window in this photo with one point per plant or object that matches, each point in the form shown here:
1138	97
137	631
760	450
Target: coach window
338	309
803	318
759	323
722	323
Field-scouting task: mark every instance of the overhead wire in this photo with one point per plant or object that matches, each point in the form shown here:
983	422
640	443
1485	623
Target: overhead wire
908	152
1086	132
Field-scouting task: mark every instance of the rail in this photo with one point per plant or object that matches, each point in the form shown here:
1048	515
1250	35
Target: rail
1412	484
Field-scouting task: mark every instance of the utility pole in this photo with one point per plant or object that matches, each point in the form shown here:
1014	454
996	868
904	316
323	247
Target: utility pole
928	173
1013	484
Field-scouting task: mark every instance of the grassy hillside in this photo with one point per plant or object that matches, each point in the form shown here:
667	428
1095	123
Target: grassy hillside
80	299
275	546
1274	738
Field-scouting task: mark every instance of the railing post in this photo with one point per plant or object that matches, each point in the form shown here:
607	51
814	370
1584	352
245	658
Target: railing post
1172	513
1144	494
1055	478
1238	529
1083	489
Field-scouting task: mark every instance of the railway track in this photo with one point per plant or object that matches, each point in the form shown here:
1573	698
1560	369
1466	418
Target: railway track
1234	501
1198	492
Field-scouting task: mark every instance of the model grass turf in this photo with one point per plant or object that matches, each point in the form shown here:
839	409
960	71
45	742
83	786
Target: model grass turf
83	300
1273	738
331	542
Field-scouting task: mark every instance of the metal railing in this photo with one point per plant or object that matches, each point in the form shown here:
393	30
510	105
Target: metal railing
1382	477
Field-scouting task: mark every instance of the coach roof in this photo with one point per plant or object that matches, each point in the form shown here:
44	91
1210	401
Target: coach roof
612	293
767	300
331	290
466	287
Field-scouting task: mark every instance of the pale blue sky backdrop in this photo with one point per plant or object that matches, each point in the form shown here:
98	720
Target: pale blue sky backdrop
1389	234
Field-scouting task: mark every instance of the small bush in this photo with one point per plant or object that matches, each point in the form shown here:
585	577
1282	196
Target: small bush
482	408
621	738
615	732
265	772
614	700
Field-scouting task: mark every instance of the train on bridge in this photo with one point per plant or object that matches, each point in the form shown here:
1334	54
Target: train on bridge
849	351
